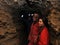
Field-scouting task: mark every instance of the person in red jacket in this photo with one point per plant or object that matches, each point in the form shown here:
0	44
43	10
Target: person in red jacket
33	27
44	34
39	34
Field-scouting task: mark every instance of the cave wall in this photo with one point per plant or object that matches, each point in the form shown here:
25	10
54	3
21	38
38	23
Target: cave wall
8	29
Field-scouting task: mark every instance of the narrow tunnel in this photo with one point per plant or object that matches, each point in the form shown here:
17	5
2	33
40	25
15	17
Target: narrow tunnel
21	20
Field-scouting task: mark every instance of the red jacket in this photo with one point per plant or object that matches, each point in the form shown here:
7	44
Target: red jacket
43	38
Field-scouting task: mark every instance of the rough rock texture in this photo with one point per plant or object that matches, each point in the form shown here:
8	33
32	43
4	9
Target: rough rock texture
54	22
54	19
8	34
